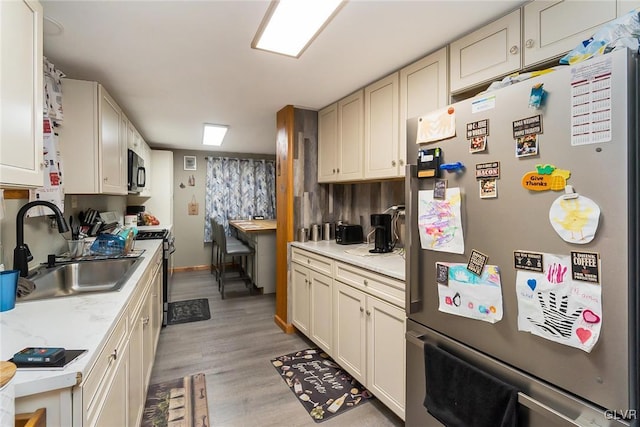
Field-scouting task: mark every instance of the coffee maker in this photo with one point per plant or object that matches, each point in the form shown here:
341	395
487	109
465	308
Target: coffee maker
382	226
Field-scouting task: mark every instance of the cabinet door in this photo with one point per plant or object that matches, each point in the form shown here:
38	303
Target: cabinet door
21	160
386	353
381	133
137	389
156	308
113	149
350	137
300	290
423	88
321	312
552	28
486	54
328	143
350	330
114	405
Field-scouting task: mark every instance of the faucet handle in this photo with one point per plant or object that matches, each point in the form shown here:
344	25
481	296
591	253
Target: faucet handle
28	253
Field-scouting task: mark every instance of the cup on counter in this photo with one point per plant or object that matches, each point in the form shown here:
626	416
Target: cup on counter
8	289
303	234
76	248
315	232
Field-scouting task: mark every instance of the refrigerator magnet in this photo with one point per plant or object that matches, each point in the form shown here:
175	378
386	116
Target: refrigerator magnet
488	188
585	266
531	261
442	274
527	146
546	177
476	263
429	160
477	144
440	189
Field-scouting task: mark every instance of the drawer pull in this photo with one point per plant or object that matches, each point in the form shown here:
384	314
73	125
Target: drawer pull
529	43
114	355
368	313
145	320
361	309
366	283
308	261
514	50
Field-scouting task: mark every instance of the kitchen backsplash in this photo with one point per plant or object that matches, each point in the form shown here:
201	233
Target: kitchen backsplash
316	203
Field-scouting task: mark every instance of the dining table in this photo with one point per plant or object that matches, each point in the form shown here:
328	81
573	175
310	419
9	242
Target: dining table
259	234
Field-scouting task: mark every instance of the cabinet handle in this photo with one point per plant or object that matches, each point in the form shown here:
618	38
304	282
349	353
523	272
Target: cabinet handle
145	320
308	261
43	165
361	309
393	162
368	313
338	170
105	178
401	162
114	355
366	283
513	50
334	171
529	43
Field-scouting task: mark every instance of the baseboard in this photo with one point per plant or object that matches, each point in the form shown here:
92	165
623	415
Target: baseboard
192	268
288	328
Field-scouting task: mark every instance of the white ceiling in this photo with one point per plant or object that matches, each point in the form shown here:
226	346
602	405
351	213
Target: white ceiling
174	65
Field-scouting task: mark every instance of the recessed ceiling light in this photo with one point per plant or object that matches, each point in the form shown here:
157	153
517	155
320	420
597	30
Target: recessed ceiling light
290	25
214	134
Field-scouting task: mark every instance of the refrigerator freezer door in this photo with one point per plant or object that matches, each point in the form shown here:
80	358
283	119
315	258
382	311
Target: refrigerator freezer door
518	219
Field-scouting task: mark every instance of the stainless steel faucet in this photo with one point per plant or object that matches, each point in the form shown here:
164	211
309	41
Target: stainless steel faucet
22	254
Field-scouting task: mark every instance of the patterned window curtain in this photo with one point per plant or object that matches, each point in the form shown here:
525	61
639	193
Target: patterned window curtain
238	189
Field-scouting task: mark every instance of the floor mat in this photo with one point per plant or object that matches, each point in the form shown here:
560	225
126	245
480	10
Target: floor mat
323	387
180	402
192	310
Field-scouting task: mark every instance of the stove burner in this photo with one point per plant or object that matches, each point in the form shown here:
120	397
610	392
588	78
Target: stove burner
151	234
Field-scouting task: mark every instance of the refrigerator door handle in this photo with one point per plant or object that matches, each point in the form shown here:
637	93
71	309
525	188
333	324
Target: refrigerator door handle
415	338
546	411
413	300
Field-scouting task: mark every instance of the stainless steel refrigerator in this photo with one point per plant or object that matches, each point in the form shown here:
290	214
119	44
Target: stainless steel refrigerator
558	384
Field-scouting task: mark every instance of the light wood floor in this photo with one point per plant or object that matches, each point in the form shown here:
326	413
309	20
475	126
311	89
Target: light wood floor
233	349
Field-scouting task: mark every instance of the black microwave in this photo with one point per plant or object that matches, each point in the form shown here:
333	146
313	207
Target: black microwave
136	174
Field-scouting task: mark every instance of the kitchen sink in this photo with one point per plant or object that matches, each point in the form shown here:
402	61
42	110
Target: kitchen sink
81	277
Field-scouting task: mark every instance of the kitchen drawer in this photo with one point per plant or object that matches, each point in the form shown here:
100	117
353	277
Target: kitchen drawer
384	287
313	261
104	367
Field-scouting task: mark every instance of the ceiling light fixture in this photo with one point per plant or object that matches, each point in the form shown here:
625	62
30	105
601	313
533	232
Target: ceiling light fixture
289	26
214	134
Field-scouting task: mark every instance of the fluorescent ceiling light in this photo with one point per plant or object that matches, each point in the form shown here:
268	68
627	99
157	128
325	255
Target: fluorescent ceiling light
213	134
290	25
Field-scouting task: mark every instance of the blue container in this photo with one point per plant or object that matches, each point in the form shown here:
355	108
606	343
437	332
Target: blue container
8	289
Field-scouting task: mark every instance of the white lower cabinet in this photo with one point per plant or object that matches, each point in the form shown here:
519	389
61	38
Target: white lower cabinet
369	343
111	412
356	316
312	303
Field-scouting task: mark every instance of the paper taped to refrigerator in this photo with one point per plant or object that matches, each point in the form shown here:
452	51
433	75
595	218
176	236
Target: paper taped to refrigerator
462	293
439	221
575	219
554	306
440	124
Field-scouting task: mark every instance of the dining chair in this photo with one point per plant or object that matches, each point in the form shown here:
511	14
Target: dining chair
229	247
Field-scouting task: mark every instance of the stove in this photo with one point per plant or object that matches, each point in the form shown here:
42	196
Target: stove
152	234
168	248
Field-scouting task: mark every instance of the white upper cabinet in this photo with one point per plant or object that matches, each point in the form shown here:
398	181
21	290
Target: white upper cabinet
328	143
625	6
350	137
552	28
21	90
381	133
424	87
487	53
92	143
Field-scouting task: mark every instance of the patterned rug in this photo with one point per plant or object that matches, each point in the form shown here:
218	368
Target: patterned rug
177	403
324	388
192	310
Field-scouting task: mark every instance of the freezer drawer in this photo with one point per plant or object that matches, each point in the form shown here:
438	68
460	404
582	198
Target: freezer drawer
540	405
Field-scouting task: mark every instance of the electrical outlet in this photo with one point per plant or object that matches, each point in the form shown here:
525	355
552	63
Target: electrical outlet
74	202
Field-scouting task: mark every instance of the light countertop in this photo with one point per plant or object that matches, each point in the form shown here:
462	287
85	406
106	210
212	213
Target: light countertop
75	322
391	264
254	225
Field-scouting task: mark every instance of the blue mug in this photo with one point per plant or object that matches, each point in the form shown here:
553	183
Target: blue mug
8	289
